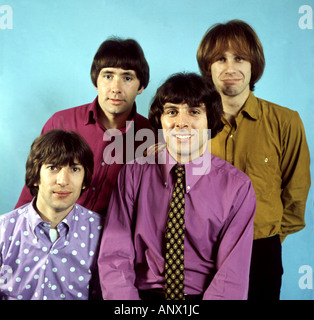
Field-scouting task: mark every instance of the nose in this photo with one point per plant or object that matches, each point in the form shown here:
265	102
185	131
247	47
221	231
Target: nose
62	177
116	86
183	120
230	66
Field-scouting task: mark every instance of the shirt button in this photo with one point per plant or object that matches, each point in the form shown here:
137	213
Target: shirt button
102	164
231	136
188	187
93	188
266	160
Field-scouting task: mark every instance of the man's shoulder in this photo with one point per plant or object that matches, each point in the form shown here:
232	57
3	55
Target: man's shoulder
69	119
279	117
11	218
226	169
87	214
140	167
141	122
78	110
142	163
271	108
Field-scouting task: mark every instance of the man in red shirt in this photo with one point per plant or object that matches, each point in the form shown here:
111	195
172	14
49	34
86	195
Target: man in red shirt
119	72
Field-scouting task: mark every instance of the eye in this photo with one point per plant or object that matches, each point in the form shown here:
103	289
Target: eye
107	76
221	59
195	111
239	59
52	168
171	112
76	169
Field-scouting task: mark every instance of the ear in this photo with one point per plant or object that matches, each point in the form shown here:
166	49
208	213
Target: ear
141	89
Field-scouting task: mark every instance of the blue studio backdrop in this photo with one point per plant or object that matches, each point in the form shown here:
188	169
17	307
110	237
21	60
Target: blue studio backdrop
46	50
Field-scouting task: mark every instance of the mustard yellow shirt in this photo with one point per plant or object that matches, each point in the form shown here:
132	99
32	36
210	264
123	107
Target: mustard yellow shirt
268	143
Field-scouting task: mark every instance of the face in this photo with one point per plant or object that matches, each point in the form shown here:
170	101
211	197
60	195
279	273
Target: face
231	74
185	131
59	188
117	90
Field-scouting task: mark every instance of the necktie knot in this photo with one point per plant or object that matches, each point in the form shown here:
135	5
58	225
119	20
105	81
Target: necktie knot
180	180
179	170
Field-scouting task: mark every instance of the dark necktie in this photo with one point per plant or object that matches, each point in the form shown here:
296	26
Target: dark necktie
174	263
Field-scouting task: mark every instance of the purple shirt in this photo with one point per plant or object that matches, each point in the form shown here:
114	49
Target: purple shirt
34	268
84	120
220	205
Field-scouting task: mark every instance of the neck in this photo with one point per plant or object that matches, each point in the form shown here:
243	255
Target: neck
233	104
113	121
184	159
51	216
116	121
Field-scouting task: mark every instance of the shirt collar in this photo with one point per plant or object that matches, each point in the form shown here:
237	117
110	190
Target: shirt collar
34	218
92	117
194	170
251	107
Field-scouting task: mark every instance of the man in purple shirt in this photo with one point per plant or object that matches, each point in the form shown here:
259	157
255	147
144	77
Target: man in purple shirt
219	206
119	72
49	247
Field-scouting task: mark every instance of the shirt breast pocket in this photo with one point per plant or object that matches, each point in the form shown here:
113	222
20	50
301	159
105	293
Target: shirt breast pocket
262	168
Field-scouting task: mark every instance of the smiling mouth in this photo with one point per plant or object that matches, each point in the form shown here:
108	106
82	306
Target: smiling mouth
183	137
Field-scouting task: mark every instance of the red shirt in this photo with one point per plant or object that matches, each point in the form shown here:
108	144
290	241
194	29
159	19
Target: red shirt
84	120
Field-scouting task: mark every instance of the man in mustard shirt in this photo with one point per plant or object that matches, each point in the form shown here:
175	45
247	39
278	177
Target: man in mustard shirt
264	140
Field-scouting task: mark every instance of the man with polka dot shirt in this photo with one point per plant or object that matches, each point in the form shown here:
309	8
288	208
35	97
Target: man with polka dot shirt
49	247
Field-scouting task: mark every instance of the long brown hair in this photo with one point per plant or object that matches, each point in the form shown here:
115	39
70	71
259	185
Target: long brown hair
238	36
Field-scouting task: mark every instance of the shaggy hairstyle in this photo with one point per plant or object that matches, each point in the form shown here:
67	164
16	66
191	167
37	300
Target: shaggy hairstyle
193	90
238	36
59	148
118	53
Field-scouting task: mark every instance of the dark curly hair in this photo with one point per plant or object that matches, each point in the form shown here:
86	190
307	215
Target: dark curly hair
193	90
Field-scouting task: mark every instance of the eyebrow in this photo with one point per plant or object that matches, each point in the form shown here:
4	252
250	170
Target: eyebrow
74	164
170	106
77	164
201	105
126	73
